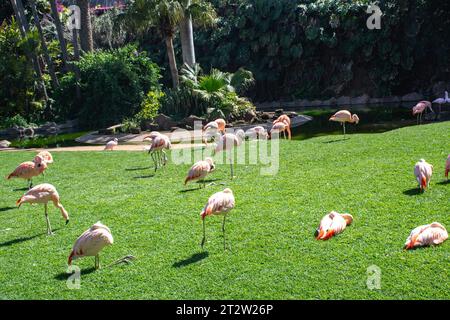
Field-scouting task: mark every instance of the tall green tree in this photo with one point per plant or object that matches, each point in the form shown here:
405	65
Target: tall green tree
197	12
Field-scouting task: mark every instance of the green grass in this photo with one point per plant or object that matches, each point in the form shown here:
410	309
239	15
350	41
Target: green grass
274	254
61	140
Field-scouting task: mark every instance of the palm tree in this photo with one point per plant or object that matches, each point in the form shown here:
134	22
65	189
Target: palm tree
60	33
165	16
203	14
86	40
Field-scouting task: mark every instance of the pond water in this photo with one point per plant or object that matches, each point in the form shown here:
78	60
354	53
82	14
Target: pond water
373	119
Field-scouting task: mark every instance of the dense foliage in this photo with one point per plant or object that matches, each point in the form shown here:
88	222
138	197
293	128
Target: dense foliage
112	86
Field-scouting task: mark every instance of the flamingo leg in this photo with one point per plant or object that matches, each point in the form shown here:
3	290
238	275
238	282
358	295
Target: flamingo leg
343	125
97	262
165	159
154	159
204	234
30	183
223	231
231	168
49	228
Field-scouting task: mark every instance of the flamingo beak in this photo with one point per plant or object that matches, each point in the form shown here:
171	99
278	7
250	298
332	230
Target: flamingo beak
321	233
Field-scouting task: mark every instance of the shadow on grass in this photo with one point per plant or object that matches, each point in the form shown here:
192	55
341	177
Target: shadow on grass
136	169
338	140
443	183
200	183
7	208
22	239
412	192
64	276
196	257
144	177
21	189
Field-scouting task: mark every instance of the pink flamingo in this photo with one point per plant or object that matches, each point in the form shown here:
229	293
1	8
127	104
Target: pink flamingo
91	242
29	169
47	156
213	130
151	136
228	142
219	203
257	132
200	170
441	101
344	116
447	166
43	193
110	145
419	108
333	224
426	235
156	150
423	171
287	121
278	128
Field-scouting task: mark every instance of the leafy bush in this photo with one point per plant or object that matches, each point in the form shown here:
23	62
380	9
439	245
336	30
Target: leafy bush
15	121
150	105
112	86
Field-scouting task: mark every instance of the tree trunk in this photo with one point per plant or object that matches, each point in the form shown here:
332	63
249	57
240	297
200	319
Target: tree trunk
60	33
76	54
187	39
48	59
87	42
24	28
172	61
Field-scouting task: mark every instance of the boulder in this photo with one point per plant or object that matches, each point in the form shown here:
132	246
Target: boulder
361	100
265	116
279	112
343	101
250	116
164	122
315	103
191	120
414	96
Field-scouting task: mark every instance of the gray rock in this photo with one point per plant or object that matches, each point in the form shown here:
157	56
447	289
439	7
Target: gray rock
5	144
343	101
315	103
250	116
414	96
361	100
164	122
189	121
265	116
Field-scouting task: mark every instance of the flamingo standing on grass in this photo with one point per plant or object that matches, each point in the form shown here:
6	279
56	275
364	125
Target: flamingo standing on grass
200	170
219	203
47	156
257	132
426	235
332	224
441	101
110	145
213	129
43	193
228	142
279	127
419	109
287	122
160	142
423	172
29	169
447	166
344	116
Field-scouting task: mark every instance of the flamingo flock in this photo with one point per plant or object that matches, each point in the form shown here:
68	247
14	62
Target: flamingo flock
98	236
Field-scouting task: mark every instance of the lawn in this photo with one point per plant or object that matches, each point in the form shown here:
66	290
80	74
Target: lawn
274	254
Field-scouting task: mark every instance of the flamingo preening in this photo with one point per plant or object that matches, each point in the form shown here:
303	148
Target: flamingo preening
29	169
287	122
160	142
91	242
47	156
214	130
426	235
344	116
279	127
441	101
200	170
43	193
257	132
447	166
419	108
332	224
110	145
219	203
228	142
423	171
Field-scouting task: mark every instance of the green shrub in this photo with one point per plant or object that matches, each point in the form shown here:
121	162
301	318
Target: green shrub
16	120
112	87
150	105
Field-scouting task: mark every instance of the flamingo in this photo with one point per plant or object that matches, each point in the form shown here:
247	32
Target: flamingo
151	136
441	101
332	224
447	166
110	145
287	121
219	203
279	127
419	108
256	132
29	169
91	242
344	116
423	171
156	150
47	156
227	142
200	170
213	129
426	235
43	193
